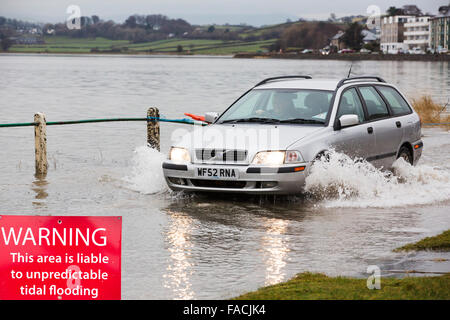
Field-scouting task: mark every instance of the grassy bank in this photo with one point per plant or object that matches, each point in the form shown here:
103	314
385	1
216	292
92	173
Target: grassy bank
441	242
313	286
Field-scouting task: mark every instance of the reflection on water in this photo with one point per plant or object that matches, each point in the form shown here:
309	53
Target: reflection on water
179	270
275	250
39	186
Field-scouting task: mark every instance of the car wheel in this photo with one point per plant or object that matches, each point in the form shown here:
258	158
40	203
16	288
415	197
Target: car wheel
405	153
323	156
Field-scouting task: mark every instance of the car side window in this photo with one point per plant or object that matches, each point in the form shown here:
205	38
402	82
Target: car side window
351	104
396	102
376	108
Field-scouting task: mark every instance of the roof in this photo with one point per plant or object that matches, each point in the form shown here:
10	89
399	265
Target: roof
338	35
320	84
368	35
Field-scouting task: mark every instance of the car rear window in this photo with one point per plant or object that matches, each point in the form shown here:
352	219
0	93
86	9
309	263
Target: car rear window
376	108
395	100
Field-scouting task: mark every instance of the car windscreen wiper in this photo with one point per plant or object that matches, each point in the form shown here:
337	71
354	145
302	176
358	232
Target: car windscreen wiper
254	119
300	120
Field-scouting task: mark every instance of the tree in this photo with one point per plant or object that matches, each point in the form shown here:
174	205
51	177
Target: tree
95	19
310	35
211	29
5	40
179	48
353	37
131	22
393	11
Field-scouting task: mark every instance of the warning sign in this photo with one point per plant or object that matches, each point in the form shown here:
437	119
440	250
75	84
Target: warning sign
68	258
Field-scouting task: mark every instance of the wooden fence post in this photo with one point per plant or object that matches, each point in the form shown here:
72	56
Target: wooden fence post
153	128
40	144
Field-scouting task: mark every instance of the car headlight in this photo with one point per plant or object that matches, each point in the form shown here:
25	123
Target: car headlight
179	155
293	156
274	158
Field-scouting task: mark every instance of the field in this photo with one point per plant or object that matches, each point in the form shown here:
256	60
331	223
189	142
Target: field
60	44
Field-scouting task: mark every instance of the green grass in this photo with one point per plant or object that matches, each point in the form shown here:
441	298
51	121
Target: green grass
169	46
60	44
62	41
314	286
441	242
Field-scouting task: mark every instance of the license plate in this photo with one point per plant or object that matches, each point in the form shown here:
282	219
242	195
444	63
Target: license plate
217	173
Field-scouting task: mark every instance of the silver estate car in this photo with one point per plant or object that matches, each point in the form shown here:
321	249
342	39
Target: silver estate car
267	140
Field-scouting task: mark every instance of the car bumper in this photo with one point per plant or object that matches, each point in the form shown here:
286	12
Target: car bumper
251	179
417	151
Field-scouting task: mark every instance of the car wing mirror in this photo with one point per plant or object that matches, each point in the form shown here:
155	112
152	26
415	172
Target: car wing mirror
348	120
210	117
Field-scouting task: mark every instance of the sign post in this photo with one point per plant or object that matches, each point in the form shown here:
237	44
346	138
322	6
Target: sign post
60	257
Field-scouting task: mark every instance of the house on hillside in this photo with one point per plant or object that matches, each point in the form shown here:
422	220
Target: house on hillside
336	41
369	36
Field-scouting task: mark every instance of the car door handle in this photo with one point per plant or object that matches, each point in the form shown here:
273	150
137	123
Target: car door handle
398	124
370	130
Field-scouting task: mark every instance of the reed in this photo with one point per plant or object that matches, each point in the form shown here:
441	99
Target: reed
430	111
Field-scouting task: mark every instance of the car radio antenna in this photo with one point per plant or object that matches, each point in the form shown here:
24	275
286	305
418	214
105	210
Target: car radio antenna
350	71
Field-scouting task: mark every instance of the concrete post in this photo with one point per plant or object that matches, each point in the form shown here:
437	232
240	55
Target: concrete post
40	144
153	128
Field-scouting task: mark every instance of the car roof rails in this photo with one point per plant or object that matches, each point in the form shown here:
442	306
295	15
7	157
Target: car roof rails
281	78
343	81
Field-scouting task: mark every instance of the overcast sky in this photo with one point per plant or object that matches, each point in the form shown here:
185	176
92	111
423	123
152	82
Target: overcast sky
254	12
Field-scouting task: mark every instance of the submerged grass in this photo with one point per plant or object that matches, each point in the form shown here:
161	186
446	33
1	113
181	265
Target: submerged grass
313	286
441	242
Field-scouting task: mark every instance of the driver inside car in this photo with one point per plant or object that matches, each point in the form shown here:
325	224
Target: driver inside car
283	107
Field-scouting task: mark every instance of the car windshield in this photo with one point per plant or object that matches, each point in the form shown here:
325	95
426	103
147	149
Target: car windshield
280	106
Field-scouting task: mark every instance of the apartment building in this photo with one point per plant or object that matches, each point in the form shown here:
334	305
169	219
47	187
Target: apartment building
417	32
392	34
440	30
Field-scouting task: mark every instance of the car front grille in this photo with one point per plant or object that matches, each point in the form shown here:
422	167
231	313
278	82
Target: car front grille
218	183
221	155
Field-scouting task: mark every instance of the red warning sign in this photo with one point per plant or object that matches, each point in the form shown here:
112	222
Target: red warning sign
65	257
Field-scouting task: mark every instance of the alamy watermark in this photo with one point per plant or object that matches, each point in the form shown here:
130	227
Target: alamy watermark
73	21
374	280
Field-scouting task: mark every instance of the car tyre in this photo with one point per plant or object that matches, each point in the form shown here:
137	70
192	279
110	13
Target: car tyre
405	153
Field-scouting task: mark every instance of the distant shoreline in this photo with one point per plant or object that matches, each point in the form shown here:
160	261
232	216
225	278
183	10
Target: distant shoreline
347	56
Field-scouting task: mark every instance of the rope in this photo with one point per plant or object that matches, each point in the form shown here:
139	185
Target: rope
56	123
184	120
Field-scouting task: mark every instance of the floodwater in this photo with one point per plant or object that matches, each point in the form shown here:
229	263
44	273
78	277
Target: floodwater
178	246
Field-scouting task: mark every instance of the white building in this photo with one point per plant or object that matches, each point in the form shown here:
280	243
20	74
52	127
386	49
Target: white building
417	32
392	29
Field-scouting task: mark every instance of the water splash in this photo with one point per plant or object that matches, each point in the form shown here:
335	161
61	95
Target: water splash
147	175
344	182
